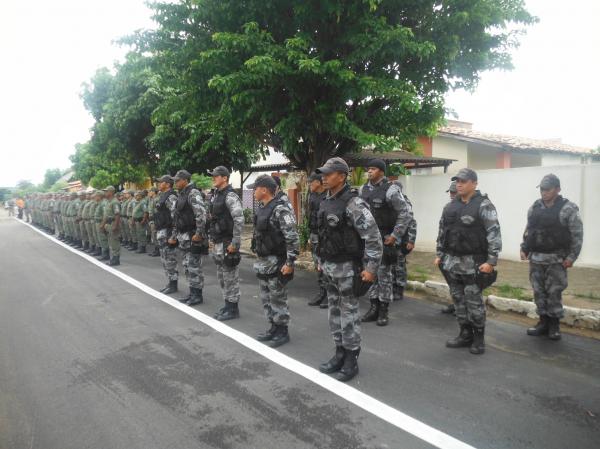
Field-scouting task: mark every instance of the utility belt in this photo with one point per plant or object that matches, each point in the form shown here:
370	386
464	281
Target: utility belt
284	279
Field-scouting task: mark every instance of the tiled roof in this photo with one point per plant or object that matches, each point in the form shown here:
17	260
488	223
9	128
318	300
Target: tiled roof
510	142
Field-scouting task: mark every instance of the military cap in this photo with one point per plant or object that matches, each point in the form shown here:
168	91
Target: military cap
264	181
165	178
452	188
220	171
377	163
182	174
465	174
109	189
335	164
549	181
315	177
98	193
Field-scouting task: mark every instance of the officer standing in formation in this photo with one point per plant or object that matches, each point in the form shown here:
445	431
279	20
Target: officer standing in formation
350	251
277	245
450	309
315	197
111	225
164	217
226	222
189	234
152	200
468	245
552	242
393	217
405	247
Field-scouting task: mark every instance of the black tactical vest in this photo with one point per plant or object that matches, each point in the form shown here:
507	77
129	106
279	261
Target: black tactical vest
269	240
338	240
314	201
545	234
221	221
162	215
185	221
384	214
463	230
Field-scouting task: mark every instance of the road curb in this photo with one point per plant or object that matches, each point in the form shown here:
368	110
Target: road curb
574	316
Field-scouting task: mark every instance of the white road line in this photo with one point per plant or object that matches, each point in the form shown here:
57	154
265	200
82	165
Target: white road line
375	407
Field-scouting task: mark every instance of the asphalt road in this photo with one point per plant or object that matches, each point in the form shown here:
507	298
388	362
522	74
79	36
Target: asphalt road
89	361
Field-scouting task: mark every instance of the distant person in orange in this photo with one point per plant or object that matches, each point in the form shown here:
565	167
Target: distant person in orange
21	205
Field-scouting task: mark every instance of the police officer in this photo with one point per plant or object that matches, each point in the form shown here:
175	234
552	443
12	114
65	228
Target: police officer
189	233
102	251
348	237
90	224
164	218
152	200
450	309
552	242
133	243
111	224
277	245
126	219
393	217
281	195
226	222
315	197
139	218
468	245
405	247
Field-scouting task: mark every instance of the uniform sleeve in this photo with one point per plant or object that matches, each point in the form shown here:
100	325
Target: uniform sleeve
489	216
363	222
396	200
172	206
237	214
439	247
200	210
287	226
575	225
116	208
526	232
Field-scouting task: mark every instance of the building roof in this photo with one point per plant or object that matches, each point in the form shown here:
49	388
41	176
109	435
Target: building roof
511	143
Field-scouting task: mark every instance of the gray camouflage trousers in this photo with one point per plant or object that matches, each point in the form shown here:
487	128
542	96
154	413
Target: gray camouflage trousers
314	240
273	295
468	299
168	256
192	265
399	274
344	316
229	278
548	283
382	288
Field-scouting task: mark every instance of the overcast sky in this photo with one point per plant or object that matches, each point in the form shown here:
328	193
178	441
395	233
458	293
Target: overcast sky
49	48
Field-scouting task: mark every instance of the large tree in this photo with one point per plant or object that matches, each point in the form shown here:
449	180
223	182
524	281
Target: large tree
316	78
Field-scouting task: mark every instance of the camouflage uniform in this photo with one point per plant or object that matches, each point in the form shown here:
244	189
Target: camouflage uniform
314	200
56	216
228	276
125	226
168	254
101	235
131	225
192	262
81	217
399	270
382	289
547	274
273	292
90	224
344	318
152	199
461	270
112	209
138	217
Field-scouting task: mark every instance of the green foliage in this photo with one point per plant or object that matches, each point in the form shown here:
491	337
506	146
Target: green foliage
304	233
417	273
248	215
397	170
58	185
358	176
50	177
202	181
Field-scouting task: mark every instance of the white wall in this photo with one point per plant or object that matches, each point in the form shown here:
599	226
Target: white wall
450	149
512	191
554	159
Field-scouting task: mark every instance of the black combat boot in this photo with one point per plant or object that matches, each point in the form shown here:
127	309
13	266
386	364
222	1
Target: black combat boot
98	251
335	363
382	318
133	247
398	293
185	299
171	287
156	252
141	249
449	309
78	244
61	237
105	255
280	337
554	328
464	339
229	312
114	261
195	297
478	346
373	312
86	247
91	249
350	367
268	334
319	298
541	328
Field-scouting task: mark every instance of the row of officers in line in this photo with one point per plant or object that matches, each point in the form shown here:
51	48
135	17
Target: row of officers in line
359	241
